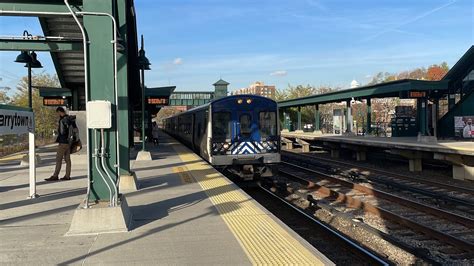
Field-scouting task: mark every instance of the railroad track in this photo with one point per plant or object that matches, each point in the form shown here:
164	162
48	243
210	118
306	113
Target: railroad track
440	194
441	232
334	245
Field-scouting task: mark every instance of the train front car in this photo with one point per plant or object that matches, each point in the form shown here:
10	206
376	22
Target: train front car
245	137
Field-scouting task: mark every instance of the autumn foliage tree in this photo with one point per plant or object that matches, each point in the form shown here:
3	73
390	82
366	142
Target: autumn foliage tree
45	117
307	112
437	72
433	72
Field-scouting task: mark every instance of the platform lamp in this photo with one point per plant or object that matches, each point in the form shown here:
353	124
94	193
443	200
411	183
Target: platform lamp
31	61
143	64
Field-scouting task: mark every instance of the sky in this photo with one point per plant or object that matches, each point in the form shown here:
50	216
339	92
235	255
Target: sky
193	43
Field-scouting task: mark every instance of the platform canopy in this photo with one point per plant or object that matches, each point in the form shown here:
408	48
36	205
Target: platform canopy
398	88
461	75
54	92
160	91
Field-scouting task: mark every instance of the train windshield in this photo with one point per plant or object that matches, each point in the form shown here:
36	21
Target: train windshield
245	125
267	124
221	125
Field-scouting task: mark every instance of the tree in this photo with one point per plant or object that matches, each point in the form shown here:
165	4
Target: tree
166	112
434	72
4	99
437	72
45	117
307	112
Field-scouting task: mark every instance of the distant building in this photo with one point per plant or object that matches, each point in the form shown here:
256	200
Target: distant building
220	88
258	88
354	84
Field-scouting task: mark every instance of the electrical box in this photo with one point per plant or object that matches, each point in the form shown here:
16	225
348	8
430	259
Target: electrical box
99	114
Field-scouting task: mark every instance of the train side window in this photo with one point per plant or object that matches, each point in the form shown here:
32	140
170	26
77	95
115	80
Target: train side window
221	123
245	125
267	124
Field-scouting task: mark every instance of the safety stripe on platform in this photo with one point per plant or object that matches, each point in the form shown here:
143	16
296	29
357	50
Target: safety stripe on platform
263	239
186	177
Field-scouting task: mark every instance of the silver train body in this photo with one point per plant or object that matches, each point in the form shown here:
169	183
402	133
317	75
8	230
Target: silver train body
237	133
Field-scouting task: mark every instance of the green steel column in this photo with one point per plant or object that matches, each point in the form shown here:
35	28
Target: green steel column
316	117
451	100
299	118
143	109
285	120
348	117
30	88
123	113
369	116
75	100
422	116
101	78
435	116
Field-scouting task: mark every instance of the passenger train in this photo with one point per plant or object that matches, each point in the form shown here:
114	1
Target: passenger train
237	133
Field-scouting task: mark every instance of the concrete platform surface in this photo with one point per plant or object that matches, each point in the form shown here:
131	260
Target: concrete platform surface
185	213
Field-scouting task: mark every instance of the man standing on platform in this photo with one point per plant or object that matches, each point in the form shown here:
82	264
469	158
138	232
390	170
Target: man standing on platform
64	147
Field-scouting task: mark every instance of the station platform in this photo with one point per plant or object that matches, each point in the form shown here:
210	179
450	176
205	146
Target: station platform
184	213
458	153
443	146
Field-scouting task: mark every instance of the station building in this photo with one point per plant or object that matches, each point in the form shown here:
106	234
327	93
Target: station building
258	88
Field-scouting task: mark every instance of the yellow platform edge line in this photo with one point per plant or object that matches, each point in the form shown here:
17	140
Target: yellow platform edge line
264	241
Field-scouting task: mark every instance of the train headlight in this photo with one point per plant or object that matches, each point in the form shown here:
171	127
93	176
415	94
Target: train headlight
239	101
226	146
249	101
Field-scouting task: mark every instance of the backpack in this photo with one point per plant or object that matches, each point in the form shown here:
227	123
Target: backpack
73	135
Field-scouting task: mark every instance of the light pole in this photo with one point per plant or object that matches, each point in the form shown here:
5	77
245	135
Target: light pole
143	64
31	62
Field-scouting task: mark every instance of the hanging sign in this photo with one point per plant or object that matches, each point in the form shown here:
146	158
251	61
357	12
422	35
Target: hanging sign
417	94
54	102
16	121
157	101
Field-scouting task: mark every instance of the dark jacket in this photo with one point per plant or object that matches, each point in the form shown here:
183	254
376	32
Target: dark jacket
63	130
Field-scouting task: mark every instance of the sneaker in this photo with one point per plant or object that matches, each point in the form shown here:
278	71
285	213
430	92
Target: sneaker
65	178
52	178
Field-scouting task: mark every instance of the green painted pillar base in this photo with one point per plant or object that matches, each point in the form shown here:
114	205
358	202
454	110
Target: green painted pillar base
128	183
144	156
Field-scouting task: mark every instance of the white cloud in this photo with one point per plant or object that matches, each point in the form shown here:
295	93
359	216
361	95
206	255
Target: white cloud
279	73
409	21
178	61
317	4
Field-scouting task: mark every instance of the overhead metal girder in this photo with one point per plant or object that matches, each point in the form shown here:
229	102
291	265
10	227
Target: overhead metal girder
40	45
37	6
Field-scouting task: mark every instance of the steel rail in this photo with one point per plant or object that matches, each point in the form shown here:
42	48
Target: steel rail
390	174
366	206
327	228
387	196
438	197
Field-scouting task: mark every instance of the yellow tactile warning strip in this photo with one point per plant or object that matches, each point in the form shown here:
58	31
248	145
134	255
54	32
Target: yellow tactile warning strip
12	157
263	239
186	178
